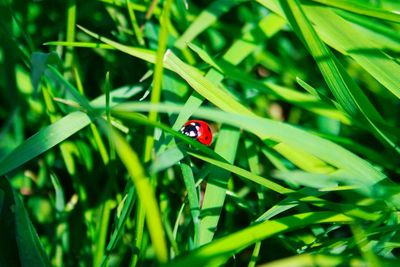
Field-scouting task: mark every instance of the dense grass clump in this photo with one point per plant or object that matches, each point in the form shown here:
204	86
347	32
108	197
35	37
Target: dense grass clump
302	97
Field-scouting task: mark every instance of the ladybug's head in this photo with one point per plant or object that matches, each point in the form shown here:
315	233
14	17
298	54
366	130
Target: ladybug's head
191	130
198	130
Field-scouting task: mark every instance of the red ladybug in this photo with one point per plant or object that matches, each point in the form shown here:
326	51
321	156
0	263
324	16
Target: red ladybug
198	130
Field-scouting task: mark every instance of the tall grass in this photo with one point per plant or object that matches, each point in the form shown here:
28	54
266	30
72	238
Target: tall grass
302	97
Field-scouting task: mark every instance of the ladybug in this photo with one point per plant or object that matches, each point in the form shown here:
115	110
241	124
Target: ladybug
198	130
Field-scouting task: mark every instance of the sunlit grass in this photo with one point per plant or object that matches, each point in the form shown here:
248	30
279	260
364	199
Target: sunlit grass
302	98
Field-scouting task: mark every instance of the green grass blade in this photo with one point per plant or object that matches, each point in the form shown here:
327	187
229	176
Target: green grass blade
193	197
362	241
221	163
277	209
134	22
80	44
59	197
262	181
204	86
158	74
204	20
30	250
346	91
8	243
383	36
144	190
254	255
54	76
248	175
57	132
144	54
166	159
39	65
266	28
190	74
353	179
294	197
365	52
44	140
124	209
340	34
311	180
71	24
215	193
305	260
220	250
362	9
222	99
102	231
309	102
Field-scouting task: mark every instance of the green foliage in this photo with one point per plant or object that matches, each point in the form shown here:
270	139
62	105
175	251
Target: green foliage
302	97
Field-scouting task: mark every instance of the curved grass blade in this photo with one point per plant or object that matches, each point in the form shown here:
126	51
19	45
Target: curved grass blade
384	37
365	52
207	17
158	75
305	260
144	191
240	49
203	86
308	102
362	9
80	44
8	243
217	252
30	250
123	211
144	54
340	34
349	95
57	132
294	197
44	140
217	183
39	65
248	175
193	197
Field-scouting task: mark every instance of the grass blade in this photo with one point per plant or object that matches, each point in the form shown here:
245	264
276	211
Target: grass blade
346	91
217	183
220	250
362	9
44	140
204	20
144	190
30	250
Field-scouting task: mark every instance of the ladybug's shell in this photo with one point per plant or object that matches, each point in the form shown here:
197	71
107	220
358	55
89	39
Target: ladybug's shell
203	133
